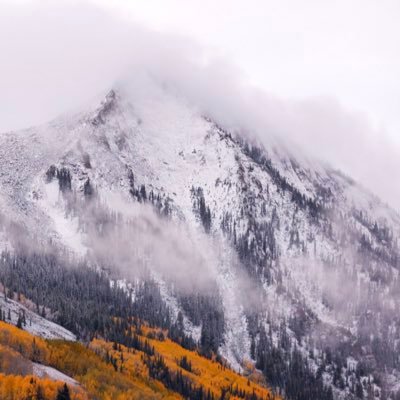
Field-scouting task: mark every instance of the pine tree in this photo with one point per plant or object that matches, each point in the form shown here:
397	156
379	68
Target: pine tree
88	190
19	322
39	393
63	393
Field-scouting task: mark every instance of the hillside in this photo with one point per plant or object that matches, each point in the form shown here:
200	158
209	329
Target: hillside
103	370
249	251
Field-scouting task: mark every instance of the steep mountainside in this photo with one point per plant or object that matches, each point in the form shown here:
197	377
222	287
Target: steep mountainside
268	257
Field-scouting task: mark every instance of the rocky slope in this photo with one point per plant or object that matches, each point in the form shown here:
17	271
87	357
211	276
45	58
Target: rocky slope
301	261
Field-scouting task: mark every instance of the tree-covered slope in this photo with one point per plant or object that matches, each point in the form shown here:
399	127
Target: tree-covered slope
152	367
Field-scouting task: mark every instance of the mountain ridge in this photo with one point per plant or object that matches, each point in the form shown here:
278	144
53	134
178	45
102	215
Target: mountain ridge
317	251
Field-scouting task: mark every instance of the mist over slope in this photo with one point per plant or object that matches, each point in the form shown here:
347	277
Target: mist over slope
265	255
68	63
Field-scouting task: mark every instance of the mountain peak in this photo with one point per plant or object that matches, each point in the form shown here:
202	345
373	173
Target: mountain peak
105	107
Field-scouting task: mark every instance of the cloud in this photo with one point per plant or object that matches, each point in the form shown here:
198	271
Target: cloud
59	55
141	241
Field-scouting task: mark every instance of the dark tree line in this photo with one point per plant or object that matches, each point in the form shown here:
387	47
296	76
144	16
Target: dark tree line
316	208
206	310
82	299
63	176
200	208
287	369
161	203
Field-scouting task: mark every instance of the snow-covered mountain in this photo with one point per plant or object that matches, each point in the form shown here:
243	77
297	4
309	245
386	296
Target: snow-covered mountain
303	260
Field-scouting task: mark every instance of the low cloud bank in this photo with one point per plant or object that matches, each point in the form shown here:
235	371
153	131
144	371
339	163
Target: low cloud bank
58	55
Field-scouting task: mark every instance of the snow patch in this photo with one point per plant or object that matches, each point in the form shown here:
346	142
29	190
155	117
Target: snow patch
35	324
43	371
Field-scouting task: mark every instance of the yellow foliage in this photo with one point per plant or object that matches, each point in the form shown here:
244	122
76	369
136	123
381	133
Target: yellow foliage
13	363
133	367
24	343
15	387
207	373
108	372
99	378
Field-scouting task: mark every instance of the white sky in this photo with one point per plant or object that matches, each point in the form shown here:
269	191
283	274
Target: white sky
349	49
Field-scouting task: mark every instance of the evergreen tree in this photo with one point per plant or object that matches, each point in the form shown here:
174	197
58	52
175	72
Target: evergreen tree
63	393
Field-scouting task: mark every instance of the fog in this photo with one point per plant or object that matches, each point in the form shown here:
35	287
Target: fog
57	56
139	241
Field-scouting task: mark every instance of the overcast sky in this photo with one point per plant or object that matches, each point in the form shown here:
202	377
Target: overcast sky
336	63
349	49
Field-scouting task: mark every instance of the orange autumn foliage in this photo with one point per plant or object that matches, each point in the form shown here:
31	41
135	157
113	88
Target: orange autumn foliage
27	345
13	363
97	378
15	387
206	373
107	371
